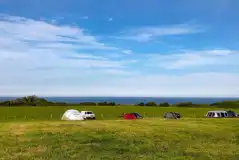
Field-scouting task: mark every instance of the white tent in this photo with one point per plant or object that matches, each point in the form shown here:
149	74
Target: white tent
72	114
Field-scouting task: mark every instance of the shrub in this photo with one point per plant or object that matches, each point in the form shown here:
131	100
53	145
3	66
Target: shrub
226	104
88	104
164	104
140	104
186	104
106	103
151	104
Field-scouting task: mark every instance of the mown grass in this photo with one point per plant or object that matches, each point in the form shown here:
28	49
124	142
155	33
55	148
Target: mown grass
146	139
102	112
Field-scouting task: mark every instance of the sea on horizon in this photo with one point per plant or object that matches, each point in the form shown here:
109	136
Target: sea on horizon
133	100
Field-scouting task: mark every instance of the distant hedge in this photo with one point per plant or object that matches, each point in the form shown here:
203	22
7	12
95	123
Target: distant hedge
186	104
88	104
36	101
164	104
106	104
226	104
151	104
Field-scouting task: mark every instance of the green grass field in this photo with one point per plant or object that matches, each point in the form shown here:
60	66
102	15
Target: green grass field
38	134
102	112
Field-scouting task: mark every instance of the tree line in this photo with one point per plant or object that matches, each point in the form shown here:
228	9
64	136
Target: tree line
223	104
37	101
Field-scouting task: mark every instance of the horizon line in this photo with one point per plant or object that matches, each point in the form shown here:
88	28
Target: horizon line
14	96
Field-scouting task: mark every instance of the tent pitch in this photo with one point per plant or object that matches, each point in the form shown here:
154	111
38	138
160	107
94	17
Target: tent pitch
132	116
72	114
172	115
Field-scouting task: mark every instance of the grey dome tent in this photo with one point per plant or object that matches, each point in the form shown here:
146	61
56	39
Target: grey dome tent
172	115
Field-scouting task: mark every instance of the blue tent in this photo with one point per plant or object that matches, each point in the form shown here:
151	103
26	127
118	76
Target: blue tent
137	115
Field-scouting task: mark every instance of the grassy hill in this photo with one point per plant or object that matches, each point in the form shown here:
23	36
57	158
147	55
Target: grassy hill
147	139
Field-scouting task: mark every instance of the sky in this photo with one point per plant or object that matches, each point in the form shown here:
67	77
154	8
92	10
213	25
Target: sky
162	48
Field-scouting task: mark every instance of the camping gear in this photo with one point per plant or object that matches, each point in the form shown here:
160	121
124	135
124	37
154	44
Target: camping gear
217	114
221	114
172	115
129	116
132	116
231	114
138	116
72	114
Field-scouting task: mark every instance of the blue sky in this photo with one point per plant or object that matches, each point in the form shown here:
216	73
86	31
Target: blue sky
119	48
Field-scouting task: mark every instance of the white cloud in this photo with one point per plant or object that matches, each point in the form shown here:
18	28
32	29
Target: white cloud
189	59
150	32
41	58
127	51
44	50
23	29
190	85
117	72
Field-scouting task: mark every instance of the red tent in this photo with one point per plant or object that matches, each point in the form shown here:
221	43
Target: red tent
129	116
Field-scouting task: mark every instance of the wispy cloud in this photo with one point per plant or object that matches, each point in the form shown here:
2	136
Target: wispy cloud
27	44
40	32
110	19
127	52
188	59
150	32
38	57
189	85
84	17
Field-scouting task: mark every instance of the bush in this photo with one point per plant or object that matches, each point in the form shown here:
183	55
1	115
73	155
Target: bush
186	104
226	104
151	104
88	104
30	101
164	104
140	104
106	103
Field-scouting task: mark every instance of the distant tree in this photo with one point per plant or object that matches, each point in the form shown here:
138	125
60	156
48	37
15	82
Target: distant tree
151	104
140	104
164	104
88	104
30	101
106	104
214	104
186	104
226	104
